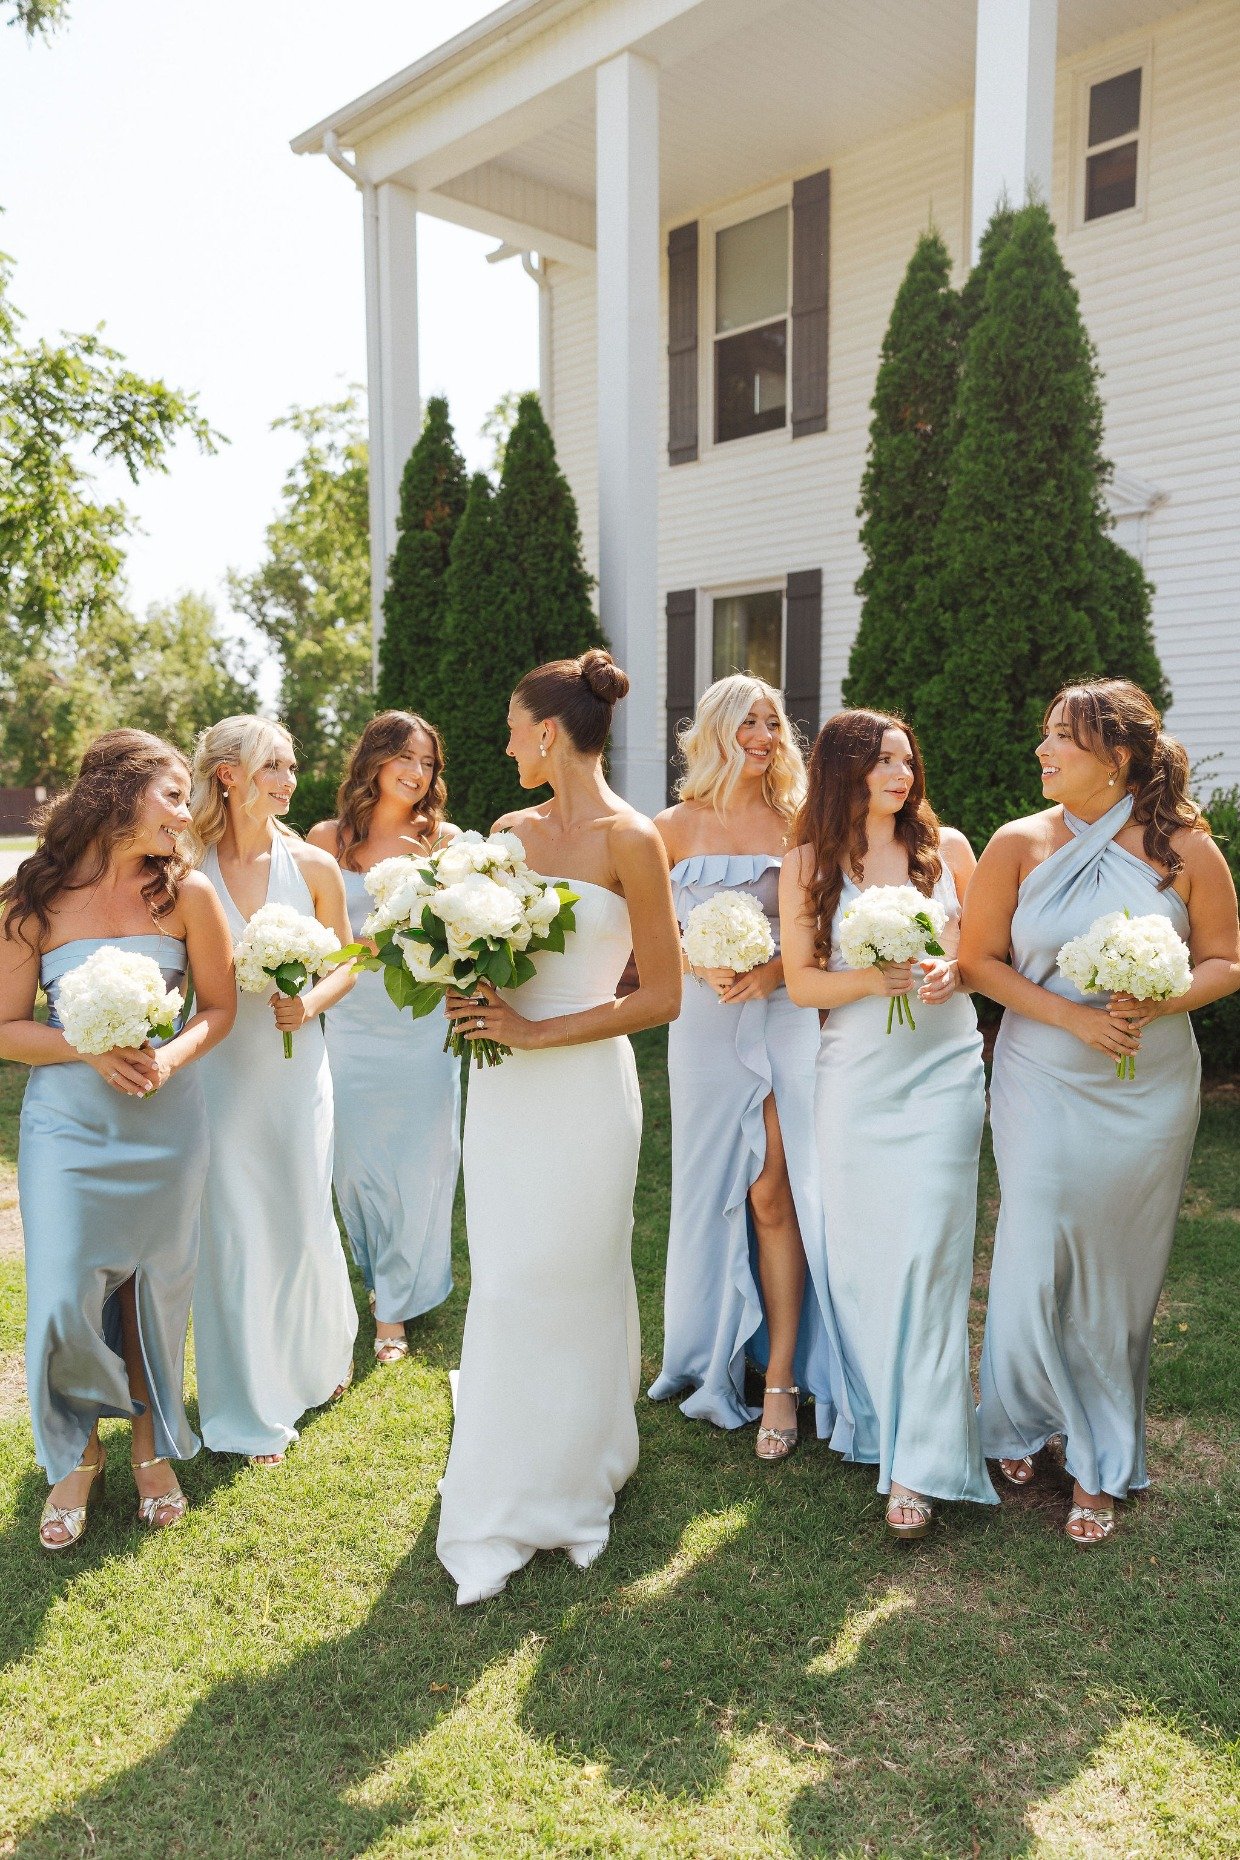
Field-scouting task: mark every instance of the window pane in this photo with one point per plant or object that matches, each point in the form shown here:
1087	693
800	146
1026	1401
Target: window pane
751	393
748	636
1114	108
1111	181
751	270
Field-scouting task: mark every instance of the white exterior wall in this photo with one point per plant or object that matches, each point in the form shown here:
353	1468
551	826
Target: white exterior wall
1159	293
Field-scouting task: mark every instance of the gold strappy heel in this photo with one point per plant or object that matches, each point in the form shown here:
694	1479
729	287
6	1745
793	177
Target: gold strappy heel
400	1345
72	1518
1101	1515
783	1440
922	1509
149	1508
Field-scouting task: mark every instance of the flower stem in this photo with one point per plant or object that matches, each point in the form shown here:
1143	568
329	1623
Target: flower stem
288	1046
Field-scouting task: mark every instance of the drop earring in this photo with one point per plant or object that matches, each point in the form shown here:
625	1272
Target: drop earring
542	749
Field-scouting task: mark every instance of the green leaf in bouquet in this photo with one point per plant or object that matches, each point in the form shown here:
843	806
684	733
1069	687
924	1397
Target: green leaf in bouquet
425	998
933	947
290	978
496	968
426	875
416	934
553	937
390	954
465	972
359	954
523	970
164	1030
401	986
430	922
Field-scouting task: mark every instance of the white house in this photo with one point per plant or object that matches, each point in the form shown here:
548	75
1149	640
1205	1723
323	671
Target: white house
723	195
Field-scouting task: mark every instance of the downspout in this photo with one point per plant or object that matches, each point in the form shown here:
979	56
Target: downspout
546	377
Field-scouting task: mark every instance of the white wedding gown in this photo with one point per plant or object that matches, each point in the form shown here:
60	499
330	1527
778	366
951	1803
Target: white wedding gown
545	1433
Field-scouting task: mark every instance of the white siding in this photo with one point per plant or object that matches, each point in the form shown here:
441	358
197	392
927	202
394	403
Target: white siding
1159	292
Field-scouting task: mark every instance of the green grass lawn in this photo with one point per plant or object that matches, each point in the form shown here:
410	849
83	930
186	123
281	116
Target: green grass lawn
752	1669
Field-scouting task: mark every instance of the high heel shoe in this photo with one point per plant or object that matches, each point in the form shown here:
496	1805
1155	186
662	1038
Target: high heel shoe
783	1440
150	1508
921	1508
72	1518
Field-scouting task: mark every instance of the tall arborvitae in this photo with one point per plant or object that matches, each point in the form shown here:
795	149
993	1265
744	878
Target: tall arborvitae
432	498
897	644
1020	577
480	663
547	588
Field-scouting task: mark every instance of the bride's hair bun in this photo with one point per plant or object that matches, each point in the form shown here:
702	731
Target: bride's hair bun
604	677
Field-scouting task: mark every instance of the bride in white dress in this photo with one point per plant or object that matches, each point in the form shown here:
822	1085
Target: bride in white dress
545	1433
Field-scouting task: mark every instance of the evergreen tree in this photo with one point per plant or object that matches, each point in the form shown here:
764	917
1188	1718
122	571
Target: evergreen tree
1033	596
547	608
904	485
432	498
480	664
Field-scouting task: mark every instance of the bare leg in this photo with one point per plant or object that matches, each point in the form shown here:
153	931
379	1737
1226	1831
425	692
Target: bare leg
151	1481
781	1267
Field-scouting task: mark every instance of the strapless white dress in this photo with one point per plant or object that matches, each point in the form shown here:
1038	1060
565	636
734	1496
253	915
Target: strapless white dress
545	1434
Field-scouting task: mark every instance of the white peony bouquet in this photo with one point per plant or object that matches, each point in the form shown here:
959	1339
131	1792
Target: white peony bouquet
283	946
116	998
728	931
471	912
1125	955
892	923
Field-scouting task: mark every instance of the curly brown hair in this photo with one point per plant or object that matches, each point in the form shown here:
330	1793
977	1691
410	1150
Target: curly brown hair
1107	715
80	831
833	814
384	737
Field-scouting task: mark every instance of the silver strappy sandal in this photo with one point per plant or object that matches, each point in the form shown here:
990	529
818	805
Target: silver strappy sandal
1101	1515
783	1440
150	1508
922	1509
71	1518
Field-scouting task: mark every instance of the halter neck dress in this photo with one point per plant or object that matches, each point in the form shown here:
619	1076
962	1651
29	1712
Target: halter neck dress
274	1318
723	1062
109	1189
398	1143
899	1121
1091	1174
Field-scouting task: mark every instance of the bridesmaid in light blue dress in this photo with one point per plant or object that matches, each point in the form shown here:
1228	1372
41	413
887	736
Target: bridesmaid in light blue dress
274	1318
899	1120
1091	1168
398	1094
741	1062
113	1146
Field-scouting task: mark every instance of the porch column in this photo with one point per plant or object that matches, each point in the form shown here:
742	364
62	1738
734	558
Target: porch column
395	408
1013	105
627	191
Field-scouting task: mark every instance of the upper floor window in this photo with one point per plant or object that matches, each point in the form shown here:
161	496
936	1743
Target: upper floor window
1112	145
747	635
751	325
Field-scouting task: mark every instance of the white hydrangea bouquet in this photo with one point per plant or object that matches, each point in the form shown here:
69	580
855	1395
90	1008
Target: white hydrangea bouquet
728	931
892	923
1125	955
471	912
116	998
283	946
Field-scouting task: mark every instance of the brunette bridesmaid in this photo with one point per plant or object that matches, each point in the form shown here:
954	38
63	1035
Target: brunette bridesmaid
113	1146
1091	1168
899	1118
398	1094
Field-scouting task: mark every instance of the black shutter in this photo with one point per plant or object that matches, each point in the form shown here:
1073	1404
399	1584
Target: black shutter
682	344
811	228
803	651
681	652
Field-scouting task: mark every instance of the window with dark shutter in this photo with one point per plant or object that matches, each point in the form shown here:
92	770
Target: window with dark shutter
1111	170
682	344
811	227
803	650
681	644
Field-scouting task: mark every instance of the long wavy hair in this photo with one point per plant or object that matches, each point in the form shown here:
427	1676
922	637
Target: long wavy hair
714	761
385	736
246	742
1107	715
79	832
832	818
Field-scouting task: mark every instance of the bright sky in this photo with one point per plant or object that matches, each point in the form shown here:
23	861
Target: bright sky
148	184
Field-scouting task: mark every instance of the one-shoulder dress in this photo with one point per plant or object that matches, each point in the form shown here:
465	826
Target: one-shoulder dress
109	1188
274	1318
545	1433
398	1143
899	1121
1091	1173
723	1062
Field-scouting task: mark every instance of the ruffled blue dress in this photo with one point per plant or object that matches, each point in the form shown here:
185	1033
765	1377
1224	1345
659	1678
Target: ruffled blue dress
723	1063
398	1138
1091	1173
109	1188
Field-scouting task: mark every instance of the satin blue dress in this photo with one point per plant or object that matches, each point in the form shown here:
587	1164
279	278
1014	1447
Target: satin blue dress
109	1188
398	1141
899	1121
274	1318
1091	1174
723	1063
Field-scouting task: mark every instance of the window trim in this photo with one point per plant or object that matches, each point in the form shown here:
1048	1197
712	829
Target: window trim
1137	57
704	654
751	207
